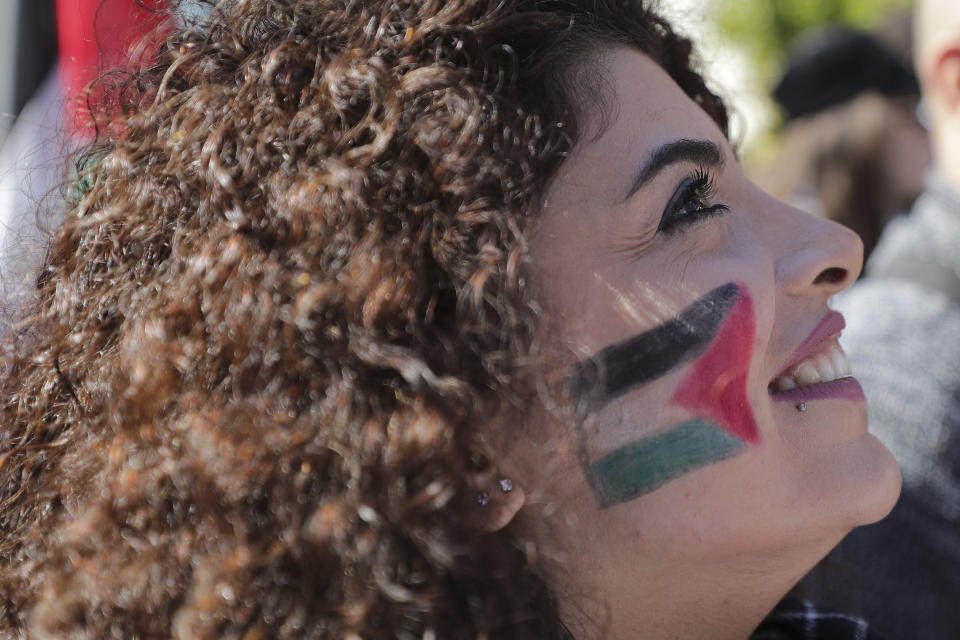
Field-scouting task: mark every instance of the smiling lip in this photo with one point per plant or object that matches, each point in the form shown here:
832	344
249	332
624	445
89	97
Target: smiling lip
845	386
829	327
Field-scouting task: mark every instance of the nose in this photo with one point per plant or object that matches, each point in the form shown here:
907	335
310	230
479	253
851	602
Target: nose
818	256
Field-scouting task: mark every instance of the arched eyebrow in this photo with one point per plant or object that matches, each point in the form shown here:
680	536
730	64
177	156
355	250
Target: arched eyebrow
701	152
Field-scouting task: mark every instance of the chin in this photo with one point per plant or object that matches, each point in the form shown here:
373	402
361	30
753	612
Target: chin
864	484
842	486
864	492
846	476
881	480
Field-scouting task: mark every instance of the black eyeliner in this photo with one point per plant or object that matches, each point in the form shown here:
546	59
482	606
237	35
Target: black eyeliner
699	188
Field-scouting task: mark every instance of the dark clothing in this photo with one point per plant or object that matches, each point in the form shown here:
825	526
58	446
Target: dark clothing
800	620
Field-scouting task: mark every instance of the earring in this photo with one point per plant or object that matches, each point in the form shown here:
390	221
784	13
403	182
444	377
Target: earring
483	497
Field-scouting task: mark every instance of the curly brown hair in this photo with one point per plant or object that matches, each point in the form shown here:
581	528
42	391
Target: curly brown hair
282	306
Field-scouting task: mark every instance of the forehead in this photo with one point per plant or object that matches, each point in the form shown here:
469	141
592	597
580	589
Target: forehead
586	215
642	109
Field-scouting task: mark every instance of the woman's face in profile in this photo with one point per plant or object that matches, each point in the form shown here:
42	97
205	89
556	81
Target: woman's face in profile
717	422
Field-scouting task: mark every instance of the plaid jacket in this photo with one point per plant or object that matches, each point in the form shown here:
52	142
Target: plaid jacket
800	620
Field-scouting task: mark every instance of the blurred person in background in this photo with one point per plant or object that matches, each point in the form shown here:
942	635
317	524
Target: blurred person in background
28	49
852	148
903	338
61	46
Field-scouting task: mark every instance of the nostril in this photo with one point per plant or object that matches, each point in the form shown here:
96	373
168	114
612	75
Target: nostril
833	275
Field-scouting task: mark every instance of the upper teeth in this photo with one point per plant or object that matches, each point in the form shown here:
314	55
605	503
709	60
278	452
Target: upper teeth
827	365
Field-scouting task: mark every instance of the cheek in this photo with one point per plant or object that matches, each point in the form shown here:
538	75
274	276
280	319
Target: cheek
716	334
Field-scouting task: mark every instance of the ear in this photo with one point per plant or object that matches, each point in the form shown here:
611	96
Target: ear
945	78
494	508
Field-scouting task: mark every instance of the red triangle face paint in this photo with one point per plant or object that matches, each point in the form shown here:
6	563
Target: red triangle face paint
716	385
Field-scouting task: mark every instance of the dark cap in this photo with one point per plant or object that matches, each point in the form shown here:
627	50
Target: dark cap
835	64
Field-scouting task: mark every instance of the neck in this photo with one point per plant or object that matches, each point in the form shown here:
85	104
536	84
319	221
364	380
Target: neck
722	601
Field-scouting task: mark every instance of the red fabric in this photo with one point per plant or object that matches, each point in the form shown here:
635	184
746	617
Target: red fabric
96	35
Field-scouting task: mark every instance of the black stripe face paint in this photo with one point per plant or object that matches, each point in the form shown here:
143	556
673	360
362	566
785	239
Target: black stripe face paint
617	369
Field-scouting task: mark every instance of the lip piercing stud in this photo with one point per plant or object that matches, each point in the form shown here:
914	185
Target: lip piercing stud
801	406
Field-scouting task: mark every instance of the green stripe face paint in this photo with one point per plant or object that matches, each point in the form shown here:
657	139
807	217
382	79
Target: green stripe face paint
647	463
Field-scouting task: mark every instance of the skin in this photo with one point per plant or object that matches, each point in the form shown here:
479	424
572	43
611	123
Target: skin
620	368
937	59
709	551
720	323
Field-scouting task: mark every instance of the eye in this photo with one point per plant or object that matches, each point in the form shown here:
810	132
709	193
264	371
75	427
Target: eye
692	201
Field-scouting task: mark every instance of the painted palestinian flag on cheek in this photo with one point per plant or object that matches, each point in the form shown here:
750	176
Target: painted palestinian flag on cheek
716	332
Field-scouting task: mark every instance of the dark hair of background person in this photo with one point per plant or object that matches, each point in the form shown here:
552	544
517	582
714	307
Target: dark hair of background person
852	149
287	295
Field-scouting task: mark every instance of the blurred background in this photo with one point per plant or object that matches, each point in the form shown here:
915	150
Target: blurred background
744	46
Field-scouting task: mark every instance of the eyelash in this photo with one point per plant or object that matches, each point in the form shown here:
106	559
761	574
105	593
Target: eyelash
697	189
